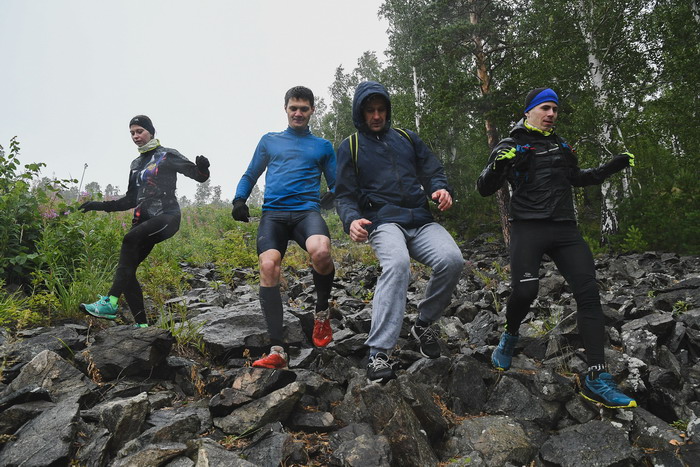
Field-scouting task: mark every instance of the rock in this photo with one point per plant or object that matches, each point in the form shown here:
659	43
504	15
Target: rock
272	446
498	439
275	406
153	454
466	386
319	422
510	397
363	451
208	453
124	351
17	415
650	432
124	418
384	409
168	426
45	440
62	340
49	371
594	443
228	331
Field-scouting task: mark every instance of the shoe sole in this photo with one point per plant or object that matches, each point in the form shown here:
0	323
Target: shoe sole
82	308
380	381
631	405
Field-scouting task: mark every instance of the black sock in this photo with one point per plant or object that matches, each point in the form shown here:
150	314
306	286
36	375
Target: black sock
271	305
323	285
595	370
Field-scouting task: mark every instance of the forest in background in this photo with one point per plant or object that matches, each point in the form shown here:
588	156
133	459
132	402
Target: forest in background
458	72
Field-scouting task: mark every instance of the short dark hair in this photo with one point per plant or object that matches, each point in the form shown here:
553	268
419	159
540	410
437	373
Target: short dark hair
299	92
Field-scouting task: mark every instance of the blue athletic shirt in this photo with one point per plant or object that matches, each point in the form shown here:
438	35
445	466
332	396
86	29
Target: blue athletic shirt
294	161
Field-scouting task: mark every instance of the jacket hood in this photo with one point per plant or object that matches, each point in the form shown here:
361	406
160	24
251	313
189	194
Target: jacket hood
362	92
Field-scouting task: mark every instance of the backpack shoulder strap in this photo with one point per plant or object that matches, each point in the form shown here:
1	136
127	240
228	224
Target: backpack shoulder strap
404	133
353	140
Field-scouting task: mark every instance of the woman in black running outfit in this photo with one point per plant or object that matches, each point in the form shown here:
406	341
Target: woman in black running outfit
152	180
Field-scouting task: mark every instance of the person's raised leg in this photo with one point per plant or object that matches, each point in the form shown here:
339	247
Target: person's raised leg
433	246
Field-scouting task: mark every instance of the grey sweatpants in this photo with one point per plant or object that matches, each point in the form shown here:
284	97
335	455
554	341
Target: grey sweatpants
394	246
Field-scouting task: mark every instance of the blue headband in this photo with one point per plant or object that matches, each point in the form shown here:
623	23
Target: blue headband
548	95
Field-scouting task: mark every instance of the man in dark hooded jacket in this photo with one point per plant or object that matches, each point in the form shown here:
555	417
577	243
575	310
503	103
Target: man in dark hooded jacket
541	168
385	179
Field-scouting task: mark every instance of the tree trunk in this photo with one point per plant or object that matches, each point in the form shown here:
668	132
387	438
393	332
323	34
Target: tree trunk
482	71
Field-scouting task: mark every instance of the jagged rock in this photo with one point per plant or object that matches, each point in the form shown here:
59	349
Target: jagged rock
594	443
62	340
124	351
272	446
49	371
312	421
168	426
383	408
511	397
153	454
580	410
466	387
25	394
228	331
650	432
96	451
640	344
257	382
552	386
124	418
19	414
424	407
363	451
180	461
45	440
208	453
498	439
226	401
275	406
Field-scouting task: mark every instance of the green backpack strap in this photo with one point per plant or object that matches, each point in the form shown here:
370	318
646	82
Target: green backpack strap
353	139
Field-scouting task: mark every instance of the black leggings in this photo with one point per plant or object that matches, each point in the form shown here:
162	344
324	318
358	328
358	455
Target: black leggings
136	246
530	240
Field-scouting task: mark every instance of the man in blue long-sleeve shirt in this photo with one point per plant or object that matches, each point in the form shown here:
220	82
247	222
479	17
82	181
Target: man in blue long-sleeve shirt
294	160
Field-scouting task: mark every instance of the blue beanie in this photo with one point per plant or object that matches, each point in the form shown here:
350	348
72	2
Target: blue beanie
538	96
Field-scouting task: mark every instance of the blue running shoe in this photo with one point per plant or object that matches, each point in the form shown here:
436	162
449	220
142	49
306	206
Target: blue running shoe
503	354
604	391
102	308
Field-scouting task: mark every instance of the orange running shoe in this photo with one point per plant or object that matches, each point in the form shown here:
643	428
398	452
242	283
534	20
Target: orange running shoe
276	360
323	333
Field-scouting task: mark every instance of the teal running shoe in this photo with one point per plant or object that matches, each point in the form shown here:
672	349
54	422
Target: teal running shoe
503	354
102	308
141	325
603	390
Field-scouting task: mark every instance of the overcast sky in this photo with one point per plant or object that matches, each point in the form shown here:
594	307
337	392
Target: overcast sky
211	74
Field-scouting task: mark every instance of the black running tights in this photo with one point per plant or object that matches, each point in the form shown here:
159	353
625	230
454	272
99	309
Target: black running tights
562	241
136	246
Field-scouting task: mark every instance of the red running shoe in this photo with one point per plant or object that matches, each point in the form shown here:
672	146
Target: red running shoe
276	360
323	334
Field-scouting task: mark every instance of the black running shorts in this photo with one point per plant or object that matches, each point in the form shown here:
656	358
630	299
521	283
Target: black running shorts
278	227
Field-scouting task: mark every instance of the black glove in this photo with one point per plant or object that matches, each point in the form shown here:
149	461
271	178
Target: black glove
619	162
240	211
91	206
328	201
202	163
